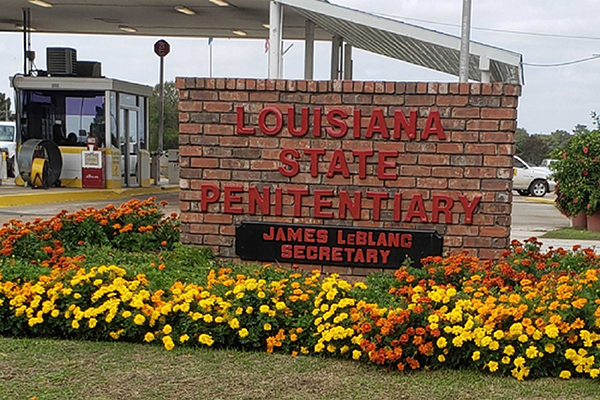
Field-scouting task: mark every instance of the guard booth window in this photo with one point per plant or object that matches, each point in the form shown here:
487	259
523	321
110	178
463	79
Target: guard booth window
67	118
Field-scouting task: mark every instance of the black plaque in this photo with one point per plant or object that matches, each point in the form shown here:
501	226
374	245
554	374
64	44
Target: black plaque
328	245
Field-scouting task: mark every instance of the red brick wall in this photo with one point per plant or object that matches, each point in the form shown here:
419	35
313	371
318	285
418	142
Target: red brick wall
475	159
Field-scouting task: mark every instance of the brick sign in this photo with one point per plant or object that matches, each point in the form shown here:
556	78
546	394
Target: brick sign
346	155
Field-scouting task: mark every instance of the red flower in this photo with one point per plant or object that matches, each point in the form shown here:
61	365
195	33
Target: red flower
575	200
585	173
585	150
564	155
595	159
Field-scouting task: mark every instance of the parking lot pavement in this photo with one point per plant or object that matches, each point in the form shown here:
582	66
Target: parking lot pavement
533	219
45	211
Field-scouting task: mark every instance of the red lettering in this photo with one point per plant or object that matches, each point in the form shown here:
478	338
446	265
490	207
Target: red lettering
433	126
361	238
362	161
320	203
334	117
314	160
384	255
240	128
357	124
317	122
469	207
309	235
336	254
377	125
377	197
322	236
350	205
372	256
278	202
299	252
297	193
438	208
286	251
205	189
311	252
416	209
406	241
338	164
269	236
400	122
324	253
255	199
294	235
230	199
303	121
397	207
262	118
290	162
383	164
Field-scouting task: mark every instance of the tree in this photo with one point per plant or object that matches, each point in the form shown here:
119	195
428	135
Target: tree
535	149
5	112
559	139
171	124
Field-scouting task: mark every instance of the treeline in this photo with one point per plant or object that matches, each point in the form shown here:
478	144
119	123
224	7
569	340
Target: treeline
533	148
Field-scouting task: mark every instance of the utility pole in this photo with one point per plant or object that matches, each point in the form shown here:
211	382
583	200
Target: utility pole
465	40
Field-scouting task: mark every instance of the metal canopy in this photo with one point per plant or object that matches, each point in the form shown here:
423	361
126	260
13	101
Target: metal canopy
407	42
413	44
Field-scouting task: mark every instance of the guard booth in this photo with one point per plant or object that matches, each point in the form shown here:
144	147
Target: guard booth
69	110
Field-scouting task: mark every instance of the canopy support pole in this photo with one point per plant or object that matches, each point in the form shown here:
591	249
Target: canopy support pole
275	36
309	50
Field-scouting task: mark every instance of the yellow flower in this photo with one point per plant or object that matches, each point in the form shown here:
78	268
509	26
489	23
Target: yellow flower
208	318
565	375
356	354
552	331
167	329
494	345
234	323
249	310
319	347
550	348
493	366
139	319
168	342
505	360
498	335
239	311
344	349
476	355
77	295
331	348
243	332
523	338
304	350
267	327
184	338
442	342
509	350
531	352
126	314
149	337
92	322
261	295
519	362
441	358
264	309
280	305
594	373
75	324
55	313
206	339
516	329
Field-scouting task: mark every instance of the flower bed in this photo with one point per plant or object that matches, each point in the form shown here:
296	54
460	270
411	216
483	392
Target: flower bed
531	314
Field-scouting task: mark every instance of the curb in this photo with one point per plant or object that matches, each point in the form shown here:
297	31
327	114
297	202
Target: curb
539	200
44	197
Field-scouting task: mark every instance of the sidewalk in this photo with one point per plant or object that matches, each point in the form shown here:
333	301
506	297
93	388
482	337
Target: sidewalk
12	195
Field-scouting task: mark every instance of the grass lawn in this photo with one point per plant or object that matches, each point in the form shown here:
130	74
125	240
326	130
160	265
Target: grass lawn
572	233
57	370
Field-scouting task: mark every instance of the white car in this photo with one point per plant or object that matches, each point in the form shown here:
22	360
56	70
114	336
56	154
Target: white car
529	180
8	141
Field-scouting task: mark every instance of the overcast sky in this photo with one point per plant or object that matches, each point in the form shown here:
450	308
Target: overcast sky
553	98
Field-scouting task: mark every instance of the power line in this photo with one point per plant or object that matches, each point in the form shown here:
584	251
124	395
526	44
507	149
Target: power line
497	30
593	57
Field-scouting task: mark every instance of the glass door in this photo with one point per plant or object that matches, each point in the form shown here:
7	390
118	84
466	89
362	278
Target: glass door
128	142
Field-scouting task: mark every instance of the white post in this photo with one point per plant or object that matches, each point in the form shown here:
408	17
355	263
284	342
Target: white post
348	62
465	34
309	49
336	45
275	37
484	67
